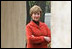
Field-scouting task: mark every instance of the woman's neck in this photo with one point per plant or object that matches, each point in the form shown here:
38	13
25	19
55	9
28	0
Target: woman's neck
37	22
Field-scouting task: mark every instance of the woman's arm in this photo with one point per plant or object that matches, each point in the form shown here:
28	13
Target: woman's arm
48	37
32	38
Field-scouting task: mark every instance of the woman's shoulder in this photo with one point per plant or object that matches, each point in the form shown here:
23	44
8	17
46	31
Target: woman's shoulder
43	23
29	24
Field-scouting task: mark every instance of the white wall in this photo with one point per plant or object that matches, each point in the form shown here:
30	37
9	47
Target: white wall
61	24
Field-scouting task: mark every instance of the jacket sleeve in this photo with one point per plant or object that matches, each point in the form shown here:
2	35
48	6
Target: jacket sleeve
34	39
49	33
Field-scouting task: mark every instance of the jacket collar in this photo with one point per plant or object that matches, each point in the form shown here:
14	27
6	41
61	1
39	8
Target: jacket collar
35	25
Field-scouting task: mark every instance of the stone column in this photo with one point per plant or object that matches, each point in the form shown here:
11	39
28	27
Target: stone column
13	22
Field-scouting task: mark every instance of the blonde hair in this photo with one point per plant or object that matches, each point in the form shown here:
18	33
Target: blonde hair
35	9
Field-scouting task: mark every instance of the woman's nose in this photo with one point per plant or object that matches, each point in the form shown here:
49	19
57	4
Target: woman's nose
37	15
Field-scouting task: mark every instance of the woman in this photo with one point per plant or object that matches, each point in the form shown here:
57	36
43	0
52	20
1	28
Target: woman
37	32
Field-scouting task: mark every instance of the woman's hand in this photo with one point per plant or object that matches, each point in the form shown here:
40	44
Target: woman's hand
32	35
47	38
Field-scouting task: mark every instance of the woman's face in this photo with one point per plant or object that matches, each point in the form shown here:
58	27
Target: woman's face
36	16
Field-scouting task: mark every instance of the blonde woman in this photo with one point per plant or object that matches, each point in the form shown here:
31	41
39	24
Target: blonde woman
38	34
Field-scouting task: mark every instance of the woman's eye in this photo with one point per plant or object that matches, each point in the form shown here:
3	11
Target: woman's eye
37	13
34	13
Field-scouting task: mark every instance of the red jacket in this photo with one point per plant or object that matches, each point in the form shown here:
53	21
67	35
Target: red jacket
39	32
